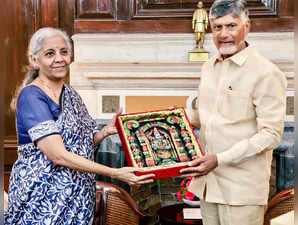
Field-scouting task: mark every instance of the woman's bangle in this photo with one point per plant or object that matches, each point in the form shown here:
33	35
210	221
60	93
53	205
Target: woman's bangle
113	173
105	132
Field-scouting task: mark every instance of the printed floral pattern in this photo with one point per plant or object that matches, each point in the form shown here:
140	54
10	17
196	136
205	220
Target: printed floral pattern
41	193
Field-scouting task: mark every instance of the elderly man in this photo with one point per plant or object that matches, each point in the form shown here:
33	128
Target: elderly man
240	111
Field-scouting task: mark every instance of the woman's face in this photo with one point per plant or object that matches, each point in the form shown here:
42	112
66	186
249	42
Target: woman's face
54	58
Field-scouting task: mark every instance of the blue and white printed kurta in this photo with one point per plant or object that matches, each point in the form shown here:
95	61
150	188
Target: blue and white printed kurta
40	192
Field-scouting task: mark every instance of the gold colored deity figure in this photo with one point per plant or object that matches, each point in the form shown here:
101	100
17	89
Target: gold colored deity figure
200	25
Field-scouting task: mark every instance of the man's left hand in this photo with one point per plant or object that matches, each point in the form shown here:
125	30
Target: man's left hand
200	166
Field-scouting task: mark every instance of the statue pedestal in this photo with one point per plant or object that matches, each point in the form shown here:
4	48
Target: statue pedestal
198	55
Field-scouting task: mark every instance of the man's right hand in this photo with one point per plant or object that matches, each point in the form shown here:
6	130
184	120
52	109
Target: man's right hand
200	166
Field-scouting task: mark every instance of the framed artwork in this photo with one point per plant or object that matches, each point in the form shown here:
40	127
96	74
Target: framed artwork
290	113
110	103
160	141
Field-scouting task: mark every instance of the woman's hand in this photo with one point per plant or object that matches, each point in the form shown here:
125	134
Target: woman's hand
107	130
110	128
127	174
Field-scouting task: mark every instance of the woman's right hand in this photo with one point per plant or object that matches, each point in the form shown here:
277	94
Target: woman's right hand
127	174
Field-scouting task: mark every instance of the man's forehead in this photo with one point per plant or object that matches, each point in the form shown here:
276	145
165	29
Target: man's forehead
226	19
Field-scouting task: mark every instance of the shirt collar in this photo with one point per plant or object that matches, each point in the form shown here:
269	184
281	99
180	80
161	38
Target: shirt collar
239	58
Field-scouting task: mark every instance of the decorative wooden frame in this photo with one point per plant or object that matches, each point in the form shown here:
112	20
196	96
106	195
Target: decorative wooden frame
173	16
161	142
177	8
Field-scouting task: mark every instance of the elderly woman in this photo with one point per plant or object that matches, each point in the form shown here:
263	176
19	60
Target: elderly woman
53	180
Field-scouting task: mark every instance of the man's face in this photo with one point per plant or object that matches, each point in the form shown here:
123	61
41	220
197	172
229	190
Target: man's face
229	33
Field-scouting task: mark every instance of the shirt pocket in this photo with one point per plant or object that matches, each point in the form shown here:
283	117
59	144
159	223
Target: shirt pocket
234	105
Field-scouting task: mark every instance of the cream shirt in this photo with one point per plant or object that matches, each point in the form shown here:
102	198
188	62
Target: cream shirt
240	110
285	219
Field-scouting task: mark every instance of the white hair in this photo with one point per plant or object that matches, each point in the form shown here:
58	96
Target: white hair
40	35
223	7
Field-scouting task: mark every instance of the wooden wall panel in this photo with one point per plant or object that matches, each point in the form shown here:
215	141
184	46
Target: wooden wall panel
123	10
49	13
157	16
21	27
67	10
4	68
20	23
286	8
284	24
185	8
102	9
46	13
10	153
6	180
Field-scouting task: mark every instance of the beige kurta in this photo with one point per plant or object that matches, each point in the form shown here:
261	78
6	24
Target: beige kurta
285	219
241	110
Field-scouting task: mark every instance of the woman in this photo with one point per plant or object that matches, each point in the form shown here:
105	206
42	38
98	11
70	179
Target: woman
53	180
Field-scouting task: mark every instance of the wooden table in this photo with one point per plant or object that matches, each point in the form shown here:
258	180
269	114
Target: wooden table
173	215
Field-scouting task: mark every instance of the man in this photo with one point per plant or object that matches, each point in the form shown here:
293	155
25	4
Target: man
200	25
240	112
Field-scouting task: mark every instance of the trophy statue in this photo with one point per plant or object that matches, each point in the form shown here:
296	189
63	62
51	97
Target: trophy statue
199	25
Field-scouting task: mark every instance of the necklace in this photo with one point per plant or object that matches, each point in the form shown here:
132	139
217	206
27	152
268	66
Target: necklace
53	93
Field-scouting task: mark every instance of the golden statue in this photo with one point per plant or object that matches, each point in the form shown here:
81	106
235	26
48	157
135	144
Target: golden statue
200	25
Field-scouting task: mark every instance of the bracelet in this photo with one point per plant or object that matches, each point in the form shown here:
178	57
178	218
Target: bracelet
105	132
113	174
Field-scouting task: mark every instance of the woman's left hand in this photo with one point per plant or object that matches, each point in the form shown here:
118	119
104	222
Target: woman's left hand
110	128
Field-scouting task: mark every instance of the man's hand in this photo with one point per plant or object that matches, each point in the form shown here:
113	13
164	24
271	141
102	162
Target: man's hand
200	166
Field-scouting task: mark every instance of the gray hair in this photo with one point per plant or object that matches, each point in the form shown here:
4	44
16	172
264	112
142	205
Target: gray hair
38	37
223	7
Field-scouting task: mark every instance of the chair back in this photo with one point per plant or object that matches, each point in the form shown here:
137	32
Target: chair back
279	204
115	206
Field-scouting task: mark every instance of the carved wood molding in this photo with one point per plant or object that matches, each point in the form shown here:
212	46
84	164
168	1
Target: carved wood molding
172	16
10	142
96	9
185	8
46	13
174	26
10	152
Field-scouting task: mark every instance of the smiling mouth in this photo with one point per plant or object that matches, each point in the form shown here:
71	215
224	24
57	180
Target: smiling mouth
226	42
59	67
